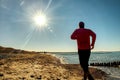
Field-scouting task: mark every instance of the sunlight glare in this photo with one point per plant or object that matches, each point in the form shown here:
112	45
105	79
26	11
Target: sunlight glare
40	19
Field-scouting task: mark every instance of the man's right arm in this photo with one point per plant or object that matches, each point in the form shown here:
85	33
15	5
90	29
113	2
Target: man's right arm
74	35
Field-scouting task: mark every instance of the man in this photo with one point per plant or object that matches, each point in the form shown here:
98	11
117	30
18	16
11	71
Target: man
82	36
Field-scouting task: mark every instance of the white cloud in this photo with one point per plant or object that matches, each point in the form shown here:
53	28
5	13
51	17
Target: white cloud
22	2
4	6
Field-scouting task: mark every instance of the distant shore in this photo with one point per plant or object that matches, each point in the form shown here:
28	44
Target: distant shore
38	66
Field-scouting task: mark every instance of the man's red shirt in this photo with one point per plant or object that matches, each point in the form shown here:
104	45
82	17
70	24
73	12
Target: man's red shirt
82	36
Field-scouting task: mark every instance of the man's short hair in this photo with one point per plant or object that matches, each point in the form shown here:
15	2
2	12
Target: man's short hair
81	24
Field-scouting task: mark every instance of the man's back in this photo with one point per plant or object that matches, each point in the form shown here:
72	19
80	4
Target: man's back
82	36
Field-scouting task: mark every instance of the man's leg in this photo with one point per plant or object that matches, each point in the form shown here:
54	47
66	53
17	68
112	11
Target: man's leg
84	58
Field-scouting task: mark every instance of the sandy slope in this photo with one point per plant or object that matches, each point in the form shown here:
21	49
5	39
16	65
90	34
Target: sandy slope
37	66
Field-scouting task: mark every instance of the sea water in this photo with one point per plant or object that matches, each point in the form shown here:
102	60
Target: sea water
95	57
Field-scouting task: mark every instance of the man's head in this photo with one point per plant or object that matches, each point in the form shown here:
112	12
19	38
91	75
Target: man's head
81	24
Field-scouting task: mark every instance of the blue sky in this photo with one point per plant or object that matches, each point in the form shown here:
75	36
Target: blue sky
17	29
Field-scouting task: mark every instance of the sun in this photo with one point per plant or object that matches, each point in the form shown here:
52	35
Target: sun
40	19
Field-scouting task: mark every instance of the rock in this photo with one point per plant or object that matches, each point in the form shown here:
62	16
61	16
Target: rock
9	72
22	78
1	63
39	78
32	76
1	74
58	79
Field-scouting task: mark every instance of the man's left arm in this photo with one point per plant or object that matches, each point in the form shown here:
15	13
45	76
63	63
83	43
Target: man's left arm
93	39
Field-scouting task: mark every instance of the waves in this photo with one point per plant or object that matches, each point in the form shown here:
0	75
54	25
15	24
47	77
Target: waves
61	58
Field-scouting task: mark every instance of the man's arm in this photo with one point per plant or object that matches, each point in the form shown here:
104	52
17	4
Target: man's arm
93	39
74	35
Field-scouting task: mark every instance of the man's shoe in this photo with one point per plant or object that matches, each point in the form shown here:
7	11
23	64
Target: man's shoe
90	77
85	76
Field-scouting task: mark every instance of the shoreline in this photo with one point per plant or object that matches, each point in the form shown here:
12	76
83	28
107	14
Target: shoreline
112	72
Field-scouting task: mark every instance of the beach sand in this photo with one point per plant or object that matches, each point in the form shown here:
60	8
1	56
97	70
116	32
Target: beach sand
41	66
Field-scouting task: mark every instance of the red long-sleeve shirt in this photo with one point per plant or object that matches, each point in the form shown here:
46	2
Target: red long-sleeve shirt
82	36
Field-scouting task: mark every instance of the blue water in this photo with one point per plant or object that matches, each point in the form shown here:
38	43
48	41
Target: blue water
72	57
